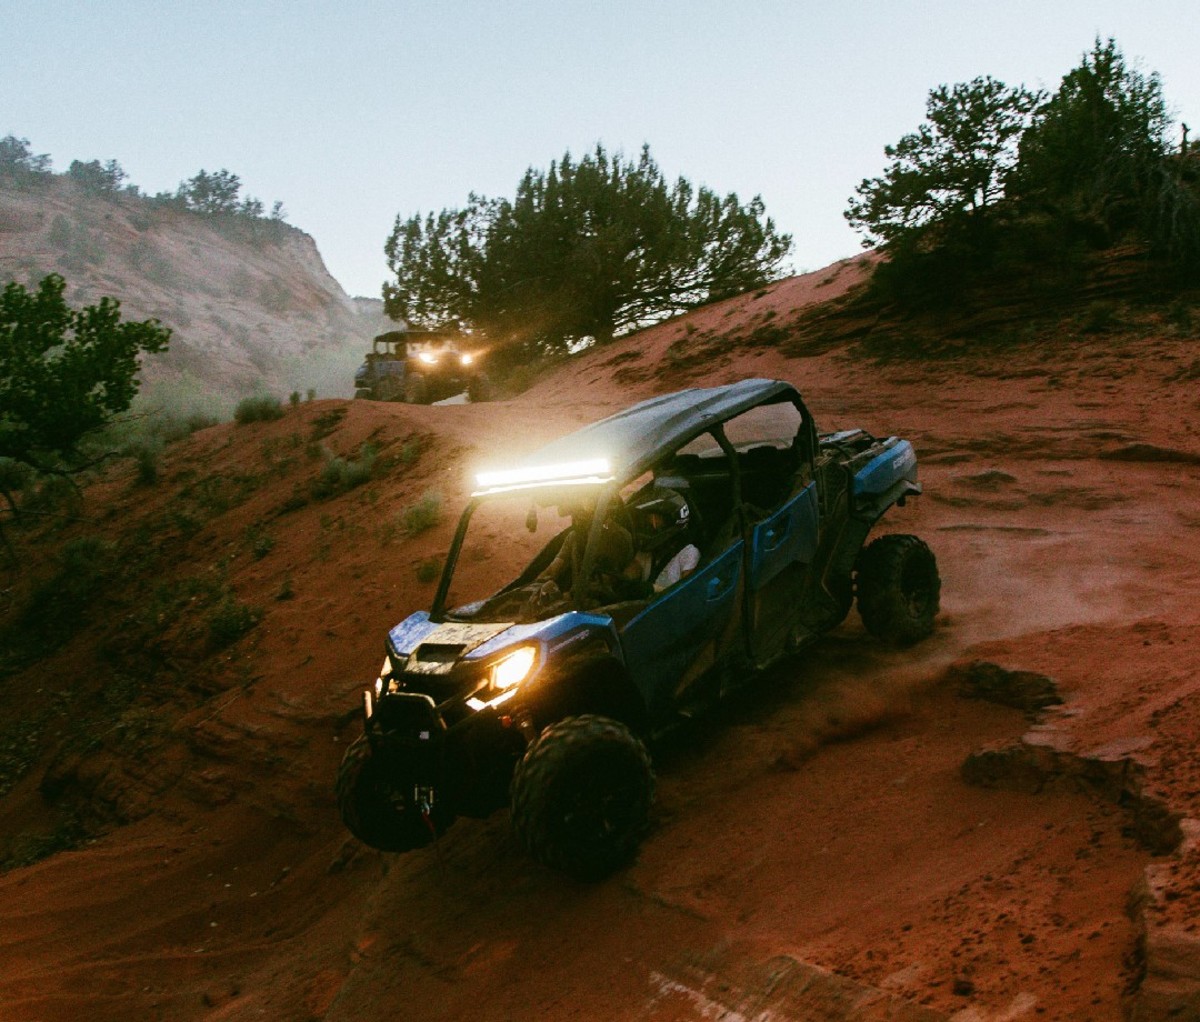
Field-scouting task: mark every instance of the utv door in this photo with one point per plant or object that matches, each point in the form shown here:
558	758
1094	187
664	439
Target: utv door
685	631
781	551
774	447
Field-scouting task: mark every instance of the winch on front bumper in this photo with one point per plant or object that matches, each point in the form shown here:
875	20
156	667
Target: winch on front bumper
447	754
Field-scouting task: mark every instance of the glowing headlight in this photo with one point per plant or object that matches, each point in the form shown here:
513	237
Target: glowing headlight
515	668
380	682
466	359
428	357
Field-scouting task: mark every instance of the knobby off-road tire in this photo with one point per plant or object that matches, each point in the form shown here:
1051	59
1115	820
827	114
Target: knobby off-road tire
388	389
581	796
898	588
416	389
375	809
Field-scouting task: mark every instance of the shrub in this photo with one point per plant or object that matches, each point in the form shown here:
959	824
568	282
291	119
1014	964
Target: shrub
59	234
422	515
1100	317
173	429
275	296
327	422
58	606
52	493
14	475
410	451
295	502
258	408
341	474
229	620
428	570
20	743
145	456
1182	318
186	522
260	542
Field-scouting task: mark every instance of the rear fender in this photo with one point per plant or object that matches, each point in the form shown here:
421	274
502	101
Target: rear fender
871	507
888	478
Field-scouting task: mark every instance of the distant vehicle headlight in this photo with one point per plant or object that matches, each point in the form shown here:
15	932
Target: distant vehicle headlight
428	357
466	359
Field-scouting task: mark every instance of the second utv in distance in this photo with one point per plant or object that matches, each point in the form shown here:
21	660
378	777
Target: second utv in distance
422	366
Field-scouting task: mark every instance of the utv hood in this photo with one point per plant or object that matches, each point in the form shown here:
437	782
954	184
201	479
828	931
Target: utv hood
431	648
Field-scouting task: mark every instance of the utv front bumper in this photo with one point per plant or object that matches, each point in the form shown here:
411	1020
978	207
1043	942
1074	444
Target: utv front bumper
464	766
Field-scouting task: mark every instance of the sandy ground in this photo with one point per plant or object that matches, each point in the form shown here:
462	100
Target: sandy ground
816	852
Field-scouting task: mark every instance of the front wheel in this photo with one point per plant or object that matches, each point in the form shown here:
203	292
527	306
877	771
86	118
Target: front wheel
581	796
479	389
378	808
898	589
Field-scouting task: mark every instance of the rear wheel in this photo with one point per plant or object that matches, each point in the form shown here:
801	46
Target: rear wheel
377	809
581	796
387	389
898	588
416	389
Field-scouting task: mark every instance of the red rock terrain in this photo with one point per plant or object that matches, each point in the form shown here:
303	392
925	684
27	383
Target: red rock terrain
866	833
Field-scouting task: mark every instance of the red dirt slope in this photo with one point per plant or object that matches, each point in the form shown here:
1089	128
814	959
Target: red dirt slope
818	853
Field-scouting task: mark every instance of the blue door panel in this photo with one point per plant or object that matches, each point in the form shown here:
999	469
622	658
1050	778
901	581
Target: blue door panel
789	535
662	641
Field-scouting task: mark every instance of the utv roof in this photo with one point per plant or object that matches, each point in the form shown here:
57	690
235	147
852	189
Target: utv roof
405	333
631	441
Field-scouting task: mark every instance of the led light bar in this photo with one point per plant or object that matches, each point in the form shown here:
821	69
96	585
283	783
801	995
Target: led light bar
592	470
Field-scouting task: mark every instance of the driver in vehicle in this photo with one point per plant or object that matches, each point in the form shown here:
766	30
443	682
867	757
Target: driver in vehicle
657	554
664	550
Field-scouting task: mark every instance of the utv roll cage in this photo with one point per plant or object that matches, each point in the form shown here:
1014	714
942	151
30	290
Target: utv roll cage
638	440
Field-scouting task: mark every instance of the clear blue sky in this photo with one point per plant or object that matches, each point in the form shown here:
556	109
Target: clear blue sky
352	113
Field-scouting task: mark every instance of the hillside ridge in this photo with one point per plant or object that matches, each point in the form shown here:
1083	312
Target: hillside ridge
251	305
169	746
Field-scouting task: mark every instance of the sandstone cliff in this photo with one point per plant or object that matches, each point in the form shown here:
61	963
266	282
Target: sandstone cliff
251	303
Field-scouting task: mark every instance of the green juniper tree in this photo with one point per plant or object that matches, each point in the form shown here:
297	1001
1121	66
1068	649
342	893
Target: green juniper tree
1001	177
19	164
64	373
589	248
950	173
1097	141
96	177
